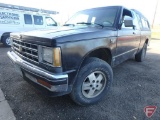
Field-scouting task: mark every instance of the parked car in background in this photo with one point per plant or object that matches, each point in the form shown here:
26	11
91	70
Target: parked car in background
77	59
18	18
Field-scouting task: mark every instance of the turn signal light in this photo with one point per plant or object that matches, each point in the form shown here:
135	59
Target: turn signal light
44	83
57	57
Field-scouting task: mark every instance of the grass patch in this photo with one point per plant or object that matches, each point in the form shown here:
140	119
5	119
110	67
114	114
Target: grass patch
155	34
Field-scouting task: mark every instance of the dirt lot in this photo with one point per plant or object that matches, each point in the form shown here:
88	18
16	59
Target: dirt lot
135	86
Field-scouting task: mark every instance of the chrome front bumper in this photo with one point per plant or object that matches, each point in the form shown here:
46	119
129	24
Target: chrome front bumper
60	80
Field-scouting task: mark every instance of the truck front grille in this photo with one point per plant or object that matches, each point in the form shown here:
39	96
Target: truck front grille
26	50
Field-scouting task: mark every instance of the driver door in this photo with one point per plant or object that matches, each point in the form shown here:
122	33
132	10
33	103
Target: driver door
126	40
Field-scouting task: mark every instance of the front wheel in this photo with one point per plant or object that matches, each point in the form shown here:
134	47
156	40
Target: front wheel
92	83
6	41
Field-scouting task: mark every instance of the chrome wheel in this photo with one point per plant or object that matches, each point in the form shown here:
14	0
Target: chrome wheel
8	41
94	84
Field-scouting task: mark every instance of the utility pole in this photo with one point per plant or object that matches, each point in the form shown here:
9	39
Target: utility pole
155	13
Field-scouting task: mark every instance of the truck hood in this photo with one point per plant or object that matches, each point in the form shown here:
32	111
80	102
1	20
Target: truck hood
57	32
64	34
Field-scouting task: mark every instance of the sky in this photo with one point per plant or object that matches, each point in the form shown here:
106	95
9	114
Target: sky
68	7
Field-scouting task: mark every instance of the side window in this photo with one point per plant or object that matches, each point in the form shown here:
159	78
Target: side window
139	21
50	22
145	23
136	21
27	19
126	14
38	20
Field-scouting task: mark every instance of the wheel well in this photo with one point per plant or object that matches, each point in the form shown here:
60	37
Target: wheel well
1	39
102	53
5	34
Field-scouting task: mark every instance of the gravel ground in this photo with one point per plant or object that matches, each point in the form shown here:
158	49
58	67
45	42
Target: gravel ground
135	86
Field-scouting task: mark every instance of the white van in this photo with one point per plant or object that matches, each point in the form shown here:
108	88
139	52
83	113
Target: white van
18	18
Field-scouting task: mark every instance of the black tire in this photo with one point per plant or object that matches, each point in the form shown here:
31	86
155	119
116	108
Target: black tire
5	40
139	57
91	66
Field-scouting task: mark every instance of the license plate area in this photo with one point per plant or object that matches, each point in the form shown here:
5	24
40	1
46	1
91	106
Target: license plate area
18	70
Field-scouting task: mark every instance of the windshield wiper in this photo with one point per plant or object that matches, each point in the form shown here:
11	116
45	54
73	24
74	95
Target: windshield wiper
90	24
69	24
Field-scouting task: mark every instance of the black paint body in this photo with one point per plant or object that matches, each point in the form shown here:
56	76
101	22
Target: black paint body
77	42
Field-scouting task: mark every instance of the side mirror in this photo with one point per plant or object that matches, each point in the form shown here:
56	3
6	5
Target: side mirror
129	23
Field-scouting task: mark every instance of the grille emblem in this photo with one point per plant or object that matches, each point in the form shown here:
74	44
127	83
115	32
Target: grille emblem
20	37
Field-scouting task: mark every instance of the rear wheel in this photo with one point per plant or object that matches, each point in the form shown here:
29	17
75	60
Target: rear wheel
6	40
93	82
139	57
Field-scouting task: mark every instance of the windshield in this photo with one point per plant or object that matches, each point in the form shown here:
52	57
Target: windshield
97	16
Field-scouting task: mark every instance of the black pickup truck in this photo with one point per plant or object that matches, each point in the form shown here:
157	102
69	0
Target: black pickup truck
77	58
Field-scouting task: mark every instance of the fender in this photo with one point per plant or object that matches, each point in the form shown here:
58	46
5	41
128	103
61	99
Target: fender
84	58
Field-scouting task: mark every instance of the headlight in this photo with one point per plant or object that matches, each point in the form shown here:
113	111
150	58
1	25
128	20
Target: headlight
47	55
51	56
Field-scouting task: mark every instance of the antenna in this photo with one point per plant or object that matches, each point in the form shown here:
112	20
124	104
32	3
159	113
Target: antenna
155	13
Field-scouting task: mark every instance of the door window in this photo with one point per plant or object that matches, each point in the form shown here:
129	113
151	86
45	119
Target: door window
50	22
126	14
